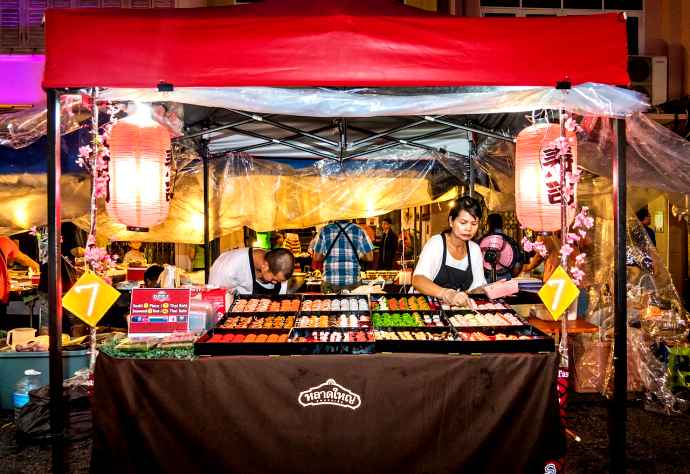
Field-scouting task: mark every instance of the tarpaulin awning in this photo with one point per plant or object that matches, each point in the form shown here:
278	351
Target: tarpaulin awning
350	43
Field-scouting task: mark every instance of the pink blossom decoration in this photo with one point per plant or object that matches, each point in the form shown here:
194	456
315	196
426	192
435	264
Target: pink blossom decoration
577	275
580	259
566	250
583	220
572	238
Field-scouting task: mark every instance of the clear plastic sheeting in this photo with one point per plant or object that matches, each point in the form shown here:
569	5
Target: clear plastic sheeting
657	159
24	198
266	195
584	99
21	129
656	317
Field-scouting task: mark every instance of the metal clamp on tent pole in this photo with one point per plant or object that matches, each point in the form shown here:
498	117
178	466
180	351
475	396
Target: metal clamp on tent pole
564	85
342	146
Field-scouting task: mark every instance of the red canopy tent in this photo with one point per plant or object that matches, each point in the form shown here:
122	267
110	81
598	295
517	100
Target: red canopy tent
301	43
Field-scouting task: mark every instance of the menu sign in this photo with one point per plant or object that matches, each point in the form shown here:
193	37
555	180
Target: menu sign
159	310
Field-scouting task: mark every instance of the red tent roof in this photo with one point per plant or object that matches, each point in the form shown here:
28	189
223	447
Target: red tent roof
303	43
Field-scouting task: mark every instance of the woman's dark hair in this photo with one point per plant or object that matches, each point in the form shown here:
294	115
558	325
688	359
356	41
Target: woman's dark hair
468	204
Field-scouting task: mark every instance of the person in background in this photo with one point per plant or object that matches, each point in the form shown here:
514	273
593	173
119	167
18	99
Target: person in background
495	223
369	230
340	246
10	254
277	240
134	255
253	271
184	255
198	259
151	276
388	246
450	263
646	219
310	250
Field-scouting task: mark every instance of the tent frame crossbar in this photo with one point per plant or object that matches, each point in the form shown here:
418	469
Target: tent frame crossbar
343	149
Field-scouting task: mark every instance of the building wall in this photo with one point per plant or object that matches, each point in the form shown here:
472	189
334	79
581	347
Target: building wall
678	252
667	33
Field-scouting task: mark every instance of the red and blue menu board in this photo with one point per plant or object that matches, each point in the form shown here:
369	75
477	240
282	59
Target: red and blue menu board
159	310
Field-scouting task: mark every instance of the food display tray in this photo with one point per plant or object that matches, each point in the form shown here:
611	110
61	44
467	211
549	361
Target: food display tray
363	320
422	313
449	315
328	347
255	317
544	343
281	298
204	346
433	303
415	346
308	297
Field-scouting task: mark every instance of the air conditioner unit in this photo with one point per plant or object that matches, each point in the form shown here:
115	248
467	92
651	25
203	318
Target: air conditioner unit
649	75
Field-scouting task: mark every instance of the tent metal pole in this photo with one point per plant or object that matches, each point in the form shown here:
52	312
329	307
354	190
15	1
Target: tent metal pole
342	146
617	409
282	141
304	133
55	283
468	128
472	173
212	130
270	142
385	133
207	247
413	142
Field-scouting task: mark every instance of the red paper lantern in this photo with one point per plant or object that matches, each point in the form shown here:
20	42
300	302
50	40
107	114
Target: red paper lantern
137	191
537	177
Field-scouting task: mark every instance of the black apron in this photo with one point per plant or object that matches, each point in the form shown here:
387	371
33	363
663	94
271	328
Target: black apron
257	288
450	277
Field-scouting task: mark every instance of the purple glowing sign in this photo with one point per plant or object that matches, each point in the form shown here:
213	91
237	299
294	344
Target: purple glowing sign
21	79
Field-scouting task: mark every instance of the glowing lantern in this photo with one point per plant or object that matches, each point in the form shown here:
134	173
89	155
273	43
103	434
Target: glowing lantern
137	191
537	177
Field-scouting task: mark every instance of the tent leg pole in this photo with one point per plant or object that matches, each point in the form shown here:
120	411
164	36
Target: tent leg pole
55	282
472	175
617	410
207	247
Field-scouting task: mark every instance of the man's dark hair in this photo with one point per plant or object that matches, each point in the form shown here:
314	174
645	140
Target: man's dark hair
280	261
495	221
642	213
468	204
386	219
152	273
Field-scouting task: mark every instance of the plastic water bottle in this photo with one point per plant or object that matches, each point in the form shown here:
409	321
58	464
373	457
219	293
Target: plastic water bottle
29	382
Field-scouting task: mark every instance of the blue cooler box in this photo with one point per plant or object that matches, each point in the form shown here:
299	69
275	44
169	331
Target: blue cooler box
13	365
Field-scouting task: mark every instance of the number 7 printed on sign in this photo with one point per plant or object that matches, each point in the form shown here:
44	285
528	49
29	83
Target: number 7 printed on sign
558	292
90	298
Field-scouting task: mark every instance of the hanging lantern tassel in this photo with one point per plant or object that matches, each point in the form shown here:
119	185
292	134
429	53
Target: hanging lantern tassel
537	177
138	196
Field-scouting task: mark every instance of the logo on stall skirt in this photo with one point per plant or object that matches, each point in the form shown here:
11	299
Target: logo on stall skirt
330	393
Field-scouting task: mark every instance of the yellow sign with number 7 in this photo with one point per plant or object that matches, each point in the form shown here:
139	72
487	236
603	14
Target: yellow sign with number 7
90	298
558	292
